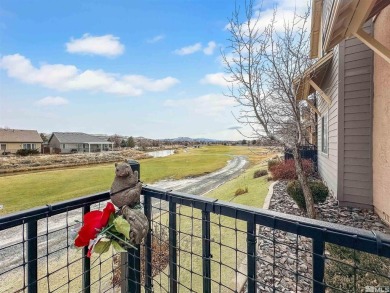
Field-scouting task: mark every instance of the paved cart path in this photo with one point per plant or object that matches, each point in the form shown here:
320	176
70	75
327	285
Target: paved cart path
11	249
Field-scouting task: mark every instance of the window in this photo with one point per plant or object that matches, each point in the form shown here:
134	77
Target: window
29	146
324	134
63	145
3	146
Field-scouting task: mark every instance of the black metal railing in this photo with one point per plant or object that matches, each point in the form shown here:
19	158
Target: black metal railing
195	244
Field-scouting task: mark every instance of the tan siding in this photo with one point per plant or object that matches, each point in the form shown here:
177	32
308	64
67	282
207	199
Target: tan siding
357	124
356	147
327	163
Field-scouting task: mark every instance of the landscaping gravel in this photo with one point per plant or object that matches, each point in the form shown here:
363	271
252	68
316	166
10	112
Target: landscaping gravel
293	254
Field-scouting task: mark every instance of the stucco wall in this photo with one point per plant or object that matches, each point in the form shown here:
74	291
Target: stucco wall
381	129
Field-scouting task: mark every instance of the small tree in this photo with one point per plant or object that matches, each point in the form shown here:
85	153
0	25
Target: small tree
262	64
130	142
116	140
123	143
43	136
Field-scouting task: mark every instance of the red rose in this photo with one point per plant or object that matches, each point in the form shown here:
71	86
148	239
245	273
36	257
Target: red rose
94	222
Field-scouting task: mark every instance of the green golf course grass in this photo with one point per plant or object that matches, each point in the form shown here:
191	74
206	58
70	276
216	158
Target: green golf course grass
28	190
228	236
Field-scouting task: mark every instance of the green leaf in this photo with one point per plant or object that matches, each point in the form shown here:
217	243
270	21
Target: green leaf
122	226
117	246
111	219
102	246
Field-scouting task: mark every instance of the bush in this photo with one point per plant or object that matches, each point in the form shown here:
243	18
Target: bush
319	190
272	163
241	191
285	170
260	173
352	271
23	152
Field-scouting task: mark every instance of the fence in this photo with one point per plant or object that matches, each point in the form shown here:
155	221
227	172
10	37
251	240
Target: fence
307	152
195	244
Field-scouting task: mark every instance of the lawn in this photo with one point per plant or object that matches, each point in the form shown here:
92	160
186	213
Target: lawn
23	191
225	248
228	246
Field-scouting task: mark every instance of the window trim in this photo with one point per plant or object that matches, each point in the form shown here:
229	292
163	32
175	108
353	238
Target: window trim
29	146
325	117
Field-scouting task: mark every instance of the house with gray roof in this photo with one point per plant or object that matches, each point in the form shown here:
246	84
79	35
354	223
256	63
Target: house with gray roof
77	142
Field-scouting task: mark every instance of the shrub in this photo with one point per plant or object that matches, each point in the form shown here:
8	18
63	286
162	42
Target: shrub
23	152
352	270
318	189
286	169
241	191
260	173
272	163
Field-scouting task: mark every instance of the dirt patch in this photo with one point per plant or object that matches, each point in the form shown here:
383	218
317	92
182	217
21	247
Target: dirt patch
42	162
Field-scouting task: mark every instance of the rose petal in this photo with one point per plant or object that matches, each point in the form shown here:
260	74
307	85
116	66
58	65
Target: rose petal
93	216
108	210
86	233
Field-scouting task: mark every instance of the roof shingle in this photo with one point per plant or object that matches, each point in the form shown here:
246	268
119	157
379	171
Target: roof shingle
19	135
77	137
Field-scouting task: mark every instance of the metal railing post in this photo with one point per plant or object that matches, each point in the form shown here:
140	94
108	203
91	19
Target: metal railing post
251	254
172	248
131	260
318	265
86	265
206	250
32	254
148	245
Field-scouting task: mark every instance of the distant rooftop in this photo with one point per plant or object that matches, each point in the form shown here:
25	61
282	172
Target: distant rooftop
77	137
19	135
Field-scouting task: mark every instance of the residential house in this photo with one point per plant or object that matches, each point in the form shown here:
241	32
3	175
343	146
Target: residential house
73	142
352	82
12	140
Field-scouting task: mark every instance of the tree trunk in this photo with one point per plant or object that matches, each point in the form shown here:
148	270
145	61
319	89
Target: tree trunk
311	212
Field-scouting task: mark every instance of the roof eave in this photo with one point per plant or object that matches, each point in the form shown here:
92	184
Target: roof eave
315	33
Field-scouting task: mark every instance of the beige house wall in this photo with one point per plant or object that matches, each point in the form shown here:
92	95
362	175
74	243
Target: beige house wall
381	129
14	146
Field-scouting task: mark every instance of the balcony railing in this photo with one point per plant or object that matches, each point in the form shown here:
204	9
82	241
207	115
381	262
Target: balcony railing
195	244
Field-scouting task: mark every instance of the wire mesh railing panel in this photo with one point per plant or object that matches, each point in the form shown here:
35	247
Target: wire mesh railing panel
195	244
349	270
38	255
271	252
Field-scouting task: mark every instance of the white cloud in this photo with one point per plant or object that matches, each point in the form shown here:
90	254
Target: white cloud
189	49
52	101
209	50
69	77
207	105
156	39
107	45
219	78
285	14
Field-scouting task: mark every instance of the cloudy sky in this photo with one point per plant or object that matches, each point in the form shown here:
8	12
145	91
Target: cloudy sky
141	68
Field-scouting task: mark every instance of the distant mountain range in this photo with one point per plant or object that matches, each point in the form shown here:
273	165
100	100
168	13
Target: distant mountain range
189	139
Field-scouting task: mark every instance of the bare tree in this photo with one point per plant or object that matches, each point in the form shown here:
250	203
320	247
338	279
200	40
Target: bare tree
116	139
262	64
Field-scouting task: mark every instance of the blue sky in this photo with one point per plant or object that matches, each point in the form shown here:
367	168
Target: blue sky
140	68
